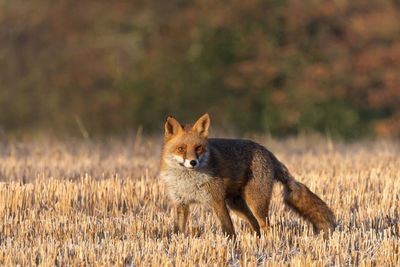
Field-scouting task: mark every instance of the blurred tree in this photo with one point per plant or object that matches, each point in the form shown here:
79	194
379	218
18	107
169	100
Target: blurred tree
283	67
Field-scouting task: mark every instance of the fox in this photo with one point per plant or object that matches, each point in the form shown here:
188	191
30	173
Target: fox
231	174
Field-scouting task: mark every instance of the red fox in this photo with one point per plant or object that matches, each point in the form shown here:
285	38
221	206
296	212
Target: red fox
234	173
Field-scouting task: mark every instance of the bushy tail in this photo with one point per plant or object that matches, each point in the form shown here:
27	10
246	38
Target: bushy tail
303	201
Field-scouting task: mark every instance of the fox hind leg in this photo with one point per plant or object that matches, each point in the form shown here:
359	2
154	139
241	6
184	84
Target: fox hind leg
257	196
239	206
222	213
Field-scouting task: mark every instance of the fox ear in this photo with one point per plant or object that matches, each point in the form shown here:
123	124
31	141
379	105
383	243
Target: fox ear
202	124
172	127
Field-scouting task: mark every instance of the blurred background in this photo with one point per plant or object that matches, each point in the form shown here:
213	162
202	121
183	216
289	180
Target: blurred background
282	67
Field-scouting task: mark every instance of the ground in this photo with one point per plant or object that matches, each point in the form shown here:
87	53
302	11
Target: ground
73	202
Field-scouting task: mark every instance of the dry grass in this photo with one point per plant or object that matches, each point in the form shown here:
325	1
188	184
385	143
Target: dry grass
101	203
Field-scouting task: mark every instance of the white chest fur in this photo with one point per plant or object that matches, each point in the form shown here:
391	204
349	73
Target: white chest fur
186	186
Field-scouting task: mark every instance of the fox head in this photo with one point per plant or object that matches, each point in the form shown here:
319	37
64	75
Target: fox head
185	146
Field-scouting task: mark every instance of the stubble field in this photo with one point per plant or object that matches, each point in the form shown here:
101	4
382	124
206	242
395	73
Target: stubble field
83	203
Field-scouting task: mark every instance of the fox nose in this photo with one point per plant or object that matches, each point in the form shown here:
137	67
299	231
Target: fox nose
193	162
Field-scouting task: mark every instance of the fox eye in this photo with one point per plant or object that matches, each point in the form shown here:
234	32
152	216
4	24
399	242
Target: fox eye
198	149
181	149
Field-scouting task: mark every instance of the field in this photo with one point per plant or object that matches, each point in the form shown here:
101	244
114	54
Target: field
74	202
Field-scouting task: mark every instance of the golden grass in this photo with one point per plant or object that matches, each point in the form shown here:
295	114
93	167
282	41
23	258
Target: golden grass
101	203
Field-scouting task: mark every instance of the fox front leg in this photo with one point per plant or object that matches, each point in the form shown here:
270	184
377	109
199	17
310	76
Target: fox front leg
182	212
